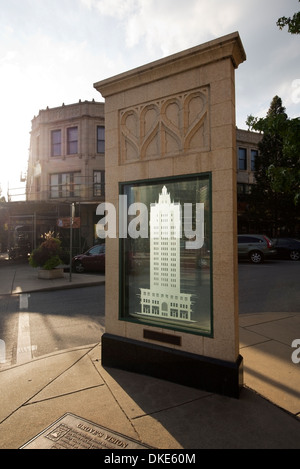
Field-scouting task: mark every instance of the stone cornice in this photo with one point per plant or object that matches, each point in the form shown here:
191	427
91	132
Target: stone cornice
229	46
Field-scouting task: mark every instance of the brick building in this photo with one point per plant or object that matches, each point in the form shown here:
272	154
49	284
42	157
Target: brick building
66	165
247	151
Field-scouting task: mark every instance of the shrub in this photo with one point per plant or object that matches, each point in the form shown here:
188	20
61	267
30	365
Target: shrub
47	255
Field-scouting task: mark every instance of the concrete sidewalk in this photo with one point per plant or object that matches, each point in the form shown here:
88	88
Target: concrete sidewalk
154	412
20	277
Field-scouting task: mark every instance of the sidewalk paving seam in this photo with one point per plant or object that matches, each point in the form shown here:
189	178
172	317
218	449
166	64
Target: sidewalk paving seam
27	404
268	339
289	315
165	409
130	421
27	401
272	381
54	379
295	416
242	347
52	354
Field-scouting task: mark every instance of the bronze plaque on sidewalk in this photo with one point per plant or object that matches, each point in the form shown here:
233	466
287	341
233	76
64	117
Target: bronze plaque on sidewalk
73	432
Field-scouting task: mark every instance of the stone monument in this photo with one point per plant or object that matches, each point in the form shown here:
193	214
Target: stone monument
171	258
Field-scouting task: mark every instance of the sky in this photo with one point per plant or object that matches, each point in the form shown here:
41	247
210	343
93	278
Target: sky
53	51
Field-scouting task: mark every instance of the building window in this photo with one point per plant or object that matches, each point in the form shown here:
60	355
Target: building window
254	154
243	189
100	139
56	143
38	184
242	158
99	181
37	157
65	185
72	140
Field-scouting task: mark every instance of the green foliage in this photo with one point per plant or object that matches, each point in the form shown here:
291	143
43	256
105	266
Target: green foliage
283	180
293	23
279	163
276	194
51	263
47	255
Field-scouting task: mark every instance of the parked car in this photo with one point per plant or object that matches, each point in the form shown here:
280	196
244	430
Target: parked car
255	247
91	260
287	248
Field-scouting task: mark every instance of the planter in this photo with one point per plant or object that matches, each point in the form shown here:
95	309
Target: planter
50	274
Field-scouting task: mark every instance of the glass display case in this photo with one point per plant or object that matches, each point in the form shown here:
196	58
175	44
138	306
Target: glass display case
166	253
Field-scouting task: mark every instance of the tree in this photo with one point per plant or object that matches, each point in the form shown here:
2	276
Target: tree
285	178
276	194
292	23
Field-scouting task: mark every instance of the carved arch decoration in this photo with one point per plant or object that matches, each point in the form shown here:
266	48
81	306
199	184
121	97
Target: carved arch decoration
167	127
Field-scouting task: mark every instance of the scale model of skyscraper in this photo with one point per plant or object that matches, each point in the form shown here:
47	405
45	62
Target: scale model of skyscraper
164	298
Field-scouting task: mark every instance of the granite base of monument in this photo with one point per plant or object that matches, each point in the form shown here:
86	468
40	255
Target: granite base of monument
200	372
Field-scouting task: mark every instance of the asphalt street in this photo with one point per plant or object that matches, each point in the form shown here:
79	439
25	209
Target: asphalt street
272	286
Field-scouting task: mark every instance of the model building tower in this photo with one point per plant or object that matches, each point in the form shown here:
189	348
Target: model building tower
164	298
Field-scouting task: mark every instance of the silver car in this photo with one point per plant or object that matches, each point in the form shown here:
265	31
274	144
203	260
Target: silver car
255	247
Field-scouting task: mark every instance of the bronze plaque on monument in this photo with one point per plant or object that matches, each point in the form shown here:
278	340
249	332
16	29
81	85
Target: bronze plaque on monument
73	432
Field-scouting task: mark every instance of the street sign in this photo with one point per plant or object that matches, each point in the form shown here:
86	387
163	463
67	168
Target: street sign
65	222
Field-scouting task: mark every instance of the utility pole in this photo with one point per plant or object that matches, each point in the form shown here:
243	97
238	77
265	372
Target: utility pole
72	214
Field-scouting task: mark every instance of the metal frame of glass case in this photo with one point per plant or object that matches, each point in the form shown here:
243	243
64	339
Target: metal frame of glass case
165	234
